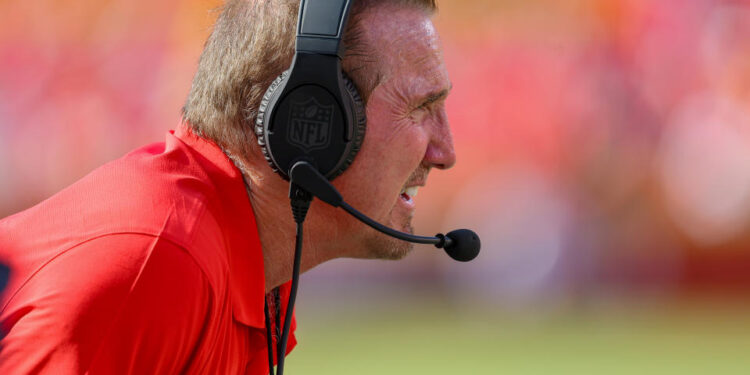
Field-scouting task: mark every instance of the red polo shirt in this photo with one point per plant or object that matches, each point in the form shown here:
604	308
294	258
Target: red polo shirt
150	264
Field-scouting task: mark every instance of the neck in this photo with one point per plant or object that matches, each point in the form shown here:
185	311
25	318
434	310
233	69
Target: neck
268	196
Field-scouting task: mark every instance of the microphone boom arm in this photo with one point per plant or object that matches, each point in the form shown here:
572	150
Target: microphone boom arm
439	240
462	244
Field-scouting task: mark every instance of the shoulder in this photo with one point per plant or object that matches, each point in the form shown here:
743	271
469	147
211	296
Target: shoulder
105	300
157	190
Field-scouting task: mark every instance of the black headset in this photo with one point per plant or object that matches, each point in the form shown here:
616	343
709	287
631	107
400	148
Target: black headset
310	126
312	112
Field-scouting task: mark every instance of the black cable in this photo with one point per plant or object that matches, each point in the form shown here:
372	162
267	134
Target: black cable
281	353
269	338
277	314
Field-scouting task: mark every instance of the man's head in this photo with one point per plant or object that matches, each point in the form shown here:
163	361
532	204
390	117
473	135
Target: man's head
393	57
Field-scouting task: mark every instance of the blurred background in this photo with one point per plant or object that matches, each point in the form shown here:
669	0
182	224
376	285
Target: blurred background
604	159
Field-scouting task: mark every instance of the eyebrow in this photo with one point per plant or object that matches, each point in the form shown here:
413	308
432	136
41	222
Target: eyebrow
435	96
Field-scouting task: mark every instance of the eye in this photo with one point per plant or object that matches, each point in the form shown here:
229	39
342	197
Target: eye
425	106
419	112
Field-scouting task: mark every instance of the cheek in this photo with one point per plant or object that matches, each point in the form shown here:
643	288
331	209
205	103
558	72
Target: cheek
393	141
359	183
391	152
373	181
389	162
406	148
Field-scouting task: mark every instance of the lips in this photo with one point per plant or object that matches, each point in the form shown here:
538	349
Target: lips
412	185
409	192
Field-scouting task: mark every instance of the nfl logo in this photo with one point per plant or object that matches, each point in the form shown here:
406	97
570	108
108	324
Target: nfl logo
310	125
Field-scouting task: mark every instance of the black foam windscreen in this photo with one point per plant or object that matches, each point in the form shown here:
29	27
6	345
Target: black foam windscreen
464	245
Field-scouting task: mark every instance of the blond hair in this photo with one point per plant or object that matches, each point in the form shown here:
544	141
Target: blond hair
251	44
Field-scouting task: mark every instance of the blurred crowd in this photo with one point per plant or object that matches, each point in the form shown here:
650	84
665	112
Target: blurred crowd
603	145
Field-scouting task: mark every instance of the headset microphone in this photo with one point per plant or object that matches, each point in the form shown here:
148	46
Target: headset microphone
462	244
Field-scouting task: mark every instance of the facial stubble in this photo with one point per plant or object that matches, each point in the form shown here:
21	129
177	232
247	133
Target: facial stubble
381	246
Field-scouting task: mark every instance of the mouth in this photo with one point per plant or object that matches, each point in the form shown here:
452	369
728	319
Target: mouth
409	193
410	189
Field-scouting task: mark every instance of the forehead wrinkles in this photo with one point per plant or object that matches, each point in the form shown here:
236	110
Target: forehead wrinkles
404	40
412	43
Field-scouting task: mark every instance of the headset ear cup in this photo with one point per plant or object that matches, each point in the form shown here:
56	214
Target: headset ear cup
260	117
352	104
359	123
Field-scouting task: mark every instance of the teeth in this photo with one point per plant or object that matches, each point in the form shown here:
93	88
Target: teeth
411	191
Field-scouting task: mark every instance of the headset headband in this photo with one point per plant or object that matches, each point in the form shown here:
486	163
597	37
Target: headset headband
321	26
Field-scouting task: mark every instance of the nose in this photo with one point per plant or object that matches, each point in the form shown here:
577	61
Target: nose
440	152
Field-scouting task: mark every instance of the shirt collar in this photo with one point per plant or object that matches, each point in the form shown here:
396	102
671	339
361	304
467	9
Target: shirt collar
246	274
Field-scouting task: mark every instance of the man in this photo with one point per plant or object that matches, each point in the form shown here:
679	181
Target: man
161	261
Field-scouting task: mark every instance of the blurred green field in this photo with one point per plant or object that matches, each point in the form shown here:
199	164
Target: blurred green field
434	339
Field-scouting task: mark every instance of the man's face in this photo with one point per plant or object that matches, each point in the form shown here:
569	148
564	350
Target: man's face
407	130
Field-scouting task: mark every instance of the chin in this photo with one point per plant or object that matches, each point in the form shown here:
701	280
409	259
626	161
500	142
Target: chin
376	245
387	248
381	246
